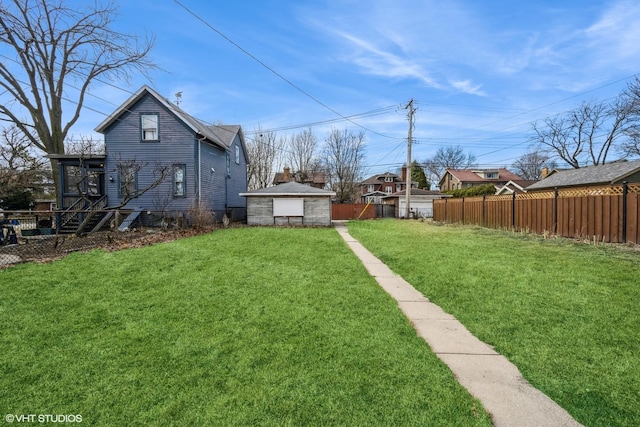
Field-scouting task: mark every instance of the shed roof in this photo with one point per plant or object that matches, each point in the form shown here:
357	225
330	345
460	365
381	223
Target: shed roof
608	173
289	189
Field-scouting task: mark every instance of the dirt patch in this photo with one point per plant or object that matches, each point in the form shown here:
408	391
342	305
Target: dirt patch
50	248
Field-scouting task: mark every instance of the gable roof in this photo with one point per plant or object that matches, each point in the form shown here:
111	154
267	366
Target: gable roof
471	175
375	179
606	174
290	188
221	135
515	187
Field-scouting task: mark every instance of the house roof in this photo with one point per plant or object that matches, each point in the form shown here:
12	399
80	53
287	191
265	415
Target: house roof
375	179
518	186
221	135
289	189
418	192
471	175
608	173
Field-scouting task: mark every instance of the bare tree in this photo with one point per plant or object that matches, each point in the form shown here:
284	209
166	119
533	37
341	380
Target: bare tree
631	99
127	171
301	153
344	156
59	51
264	152
529	166
588	134
22	172
448	158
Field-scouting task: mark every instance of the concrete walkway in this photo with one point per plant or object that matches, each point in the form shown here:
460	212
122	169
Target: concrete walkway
488	376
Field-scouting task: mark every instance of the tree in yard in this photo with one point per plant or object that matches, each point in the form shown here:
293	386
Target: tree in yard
448	158
631	95
344	156
301	154
529	166
264	152
20	170
59	50
418	175
593	131
127	171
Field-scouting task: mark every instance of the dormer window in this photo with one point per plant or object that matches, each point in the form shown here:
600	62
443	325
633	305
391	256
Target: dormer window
491	175
149	127
388	179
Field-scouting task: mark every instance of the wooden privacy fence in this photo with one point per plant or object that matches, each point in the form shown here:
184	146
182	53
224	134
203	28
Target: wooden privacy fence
606	214
344	211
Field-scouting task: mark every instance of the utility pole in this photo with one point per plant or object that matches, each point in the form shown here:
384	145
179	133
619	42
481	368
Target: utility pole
409	171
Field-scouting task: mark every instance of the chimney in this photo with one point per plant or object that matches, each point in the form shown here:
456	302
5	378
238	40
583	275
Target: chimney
545	172
404	173
286	176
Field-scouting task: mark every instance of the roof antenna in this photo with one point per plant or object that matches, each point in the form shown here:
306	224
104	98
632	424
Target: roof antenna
178	98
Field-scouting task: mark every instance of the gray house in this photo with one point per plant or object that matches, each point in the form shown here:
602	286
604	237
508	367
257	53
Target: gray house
290	203
204	166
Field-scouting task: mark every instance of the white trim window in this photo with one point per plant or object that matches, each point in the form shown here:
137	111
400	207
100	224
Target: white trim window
149	127
179	180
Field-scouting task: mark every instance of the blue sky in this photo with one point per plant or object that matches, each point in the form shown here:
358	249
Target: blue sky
479	71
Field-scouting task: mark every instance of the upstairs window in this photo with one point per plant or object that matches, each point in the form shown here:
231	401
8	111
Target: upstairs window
237	154
149	127
491	175
388	179
370	188
388	189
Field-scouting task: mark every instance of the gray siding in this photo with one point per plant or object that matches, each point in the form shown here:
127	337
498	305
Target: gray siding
317	212
178	145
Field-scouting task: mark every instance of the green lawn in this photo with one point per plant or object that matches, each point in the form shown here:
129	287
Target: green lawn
566	314
247	326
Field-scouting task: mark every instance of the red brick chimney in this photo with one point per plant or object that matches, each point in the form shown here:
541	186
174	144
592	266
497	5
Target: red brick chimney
404	173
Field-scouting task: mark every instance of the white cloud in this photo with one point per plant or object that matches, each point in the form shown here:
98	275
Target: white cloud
467	87
616	34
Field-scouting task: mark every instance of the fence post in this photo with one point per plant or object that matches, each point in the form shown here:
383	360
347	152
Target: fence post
513	211
484	198
463	209
555	210
625	192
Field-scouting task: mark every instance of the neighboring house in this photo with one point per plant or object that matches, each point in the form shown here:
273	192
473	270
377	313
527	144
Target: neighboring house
317	180
454	179
376	187
420	203
607	174
207	165
515	187
290	203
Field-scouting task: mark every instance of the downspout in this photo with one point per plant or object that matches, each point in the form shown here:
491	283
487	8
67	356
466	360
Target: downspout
200	171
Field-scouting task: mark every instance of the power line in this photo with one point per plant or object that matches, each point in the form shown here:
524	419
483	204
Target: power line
289	82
